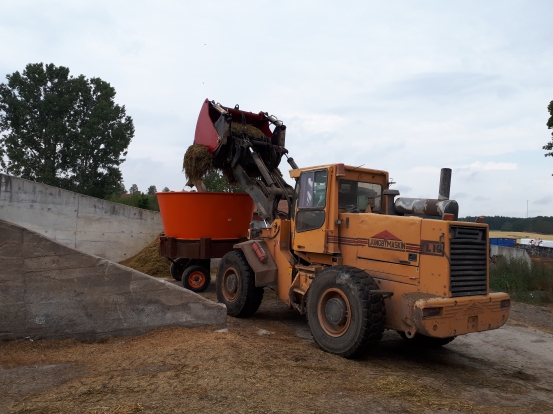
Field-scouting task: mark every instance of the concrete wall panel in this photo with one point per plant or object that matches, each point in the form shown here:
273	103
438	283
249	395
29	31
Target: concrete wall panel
94	226
52	291
511	253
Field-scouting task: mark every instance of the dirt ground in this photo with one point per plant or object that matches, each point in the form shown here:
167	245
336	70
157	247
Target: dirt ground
269	364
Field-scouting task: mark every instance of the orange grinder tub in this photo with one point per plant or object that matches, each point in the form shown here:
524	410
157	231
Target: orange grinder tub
191	215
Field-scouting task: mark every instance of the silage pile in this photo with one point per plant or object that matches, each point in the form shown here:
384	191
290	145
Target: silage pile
149	262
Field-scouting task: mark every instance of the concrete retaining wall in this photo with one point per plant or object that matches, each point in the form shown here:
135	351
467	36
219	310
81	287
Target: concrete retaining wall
510	252
92	225
51	291
536	250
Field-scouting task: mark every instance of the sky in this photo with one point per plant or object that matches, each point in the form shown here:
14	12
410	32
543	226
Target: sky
407	87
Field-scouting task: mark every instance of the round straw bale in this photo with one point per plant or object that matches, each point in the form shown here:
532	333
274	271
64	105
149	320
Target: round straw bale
197	162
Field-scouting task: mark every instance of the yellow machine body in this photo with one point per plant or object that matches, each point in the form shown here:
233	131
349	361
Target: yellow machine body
434	273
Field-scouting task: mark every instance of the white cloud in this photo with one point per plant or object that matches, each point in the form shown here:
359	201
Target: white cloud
458	196
403	189
316	123
425	170
489	166
544	200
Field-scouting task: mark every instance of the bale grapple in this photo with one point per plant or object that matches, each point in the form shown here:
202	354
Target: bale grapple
248	148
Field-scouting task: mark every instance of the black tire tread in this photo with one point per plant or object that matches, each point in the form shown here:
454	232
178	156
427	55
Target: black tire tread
177	269
253	295
191	269
179	265
373	311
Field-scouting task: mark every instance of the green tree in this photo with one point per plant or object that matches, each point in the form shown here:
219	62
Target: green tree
120	190
63	131
215	181
549	145
143	202
166	189
152	190
133	189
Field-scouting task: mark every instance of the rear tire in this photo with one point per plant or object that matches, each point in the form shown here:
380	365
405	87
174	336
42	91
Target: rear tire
196	278
344	318
236	286
421	341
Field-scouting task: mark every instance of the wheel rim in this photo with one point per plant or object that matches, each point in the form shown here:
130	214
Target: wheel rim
230	284
334	312
196	279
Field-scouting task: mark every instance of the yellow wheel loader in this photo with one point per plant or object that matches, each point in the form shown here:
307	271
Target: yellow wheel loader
349	252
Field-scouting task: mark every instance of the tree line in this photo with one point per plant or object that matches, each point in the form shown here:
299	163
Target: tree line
540	224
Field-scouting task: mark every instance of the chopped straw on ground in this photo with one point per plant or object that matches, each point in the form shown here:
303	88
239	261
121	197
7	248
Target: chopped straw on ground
149	262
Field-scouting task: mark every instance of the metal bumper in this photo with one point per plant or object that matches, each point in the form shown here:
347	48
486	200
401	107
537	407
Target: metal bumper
445	317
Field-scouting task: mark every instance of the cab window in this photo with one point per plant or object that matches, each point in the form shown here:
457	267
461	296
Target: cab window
311	200
357	196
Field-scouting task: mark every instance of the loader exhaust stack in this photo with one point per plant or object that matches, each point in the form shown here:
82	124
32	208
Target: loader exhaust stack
431	207
445	184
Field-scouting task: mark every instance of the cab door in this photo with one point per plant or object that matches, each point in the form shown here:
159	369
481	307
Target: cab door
311	211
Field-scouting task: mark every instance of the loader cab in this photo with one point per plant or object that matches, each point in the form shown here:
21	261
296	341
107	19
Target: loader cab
322	193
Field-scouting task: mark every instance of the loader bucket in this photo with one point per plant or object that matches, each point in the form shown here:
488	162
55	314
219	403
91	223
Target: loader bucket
210	136
227	131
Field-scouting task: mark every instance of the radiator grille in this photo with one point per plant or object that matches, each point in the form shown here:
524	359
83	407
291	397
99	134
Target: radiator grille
468	261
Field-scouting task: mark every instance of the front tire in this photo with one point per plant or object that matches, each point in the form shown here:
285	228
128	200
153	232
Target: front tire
344	318
236	286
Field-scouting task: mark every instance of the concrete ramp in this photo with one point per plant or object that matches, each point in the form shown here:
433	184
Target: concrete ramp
52	291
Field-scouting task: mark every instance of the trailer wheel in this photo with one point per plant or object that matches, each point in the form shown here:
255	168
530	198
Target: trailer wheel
236	286
178	266
421	341
196	278
344	318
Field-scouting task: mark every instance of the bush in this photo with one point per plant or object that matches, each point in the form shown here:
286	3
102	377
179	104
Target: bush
147	202
523	282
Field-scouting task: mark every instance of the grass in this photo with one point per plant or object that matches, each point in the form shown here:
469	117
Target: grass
147	202
520	235
525	283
